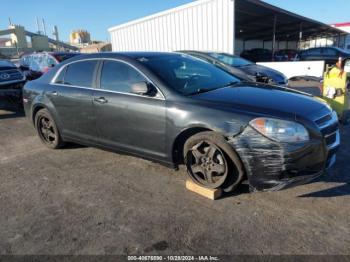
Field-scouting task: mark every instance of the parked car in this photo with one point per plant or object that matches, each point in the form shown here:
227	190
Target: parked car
241	75
11	78
329	54
239	67
257	55
36	64
286	55
174	109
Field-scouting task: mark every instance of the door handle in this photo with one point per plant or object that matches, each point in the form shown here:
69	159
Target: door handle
101	100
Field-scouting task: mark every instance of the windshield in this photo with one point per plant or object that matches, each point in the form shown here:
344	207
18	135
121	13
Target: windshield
231	60
187	75
61	57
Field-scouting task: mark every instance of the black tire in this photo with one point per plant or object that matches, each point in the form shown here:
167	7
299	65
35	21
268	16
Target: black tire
211	162
47	129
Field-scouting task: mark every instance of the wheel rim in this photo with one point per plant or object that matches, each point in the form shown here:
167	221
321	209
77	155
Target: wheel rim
206	164
46	130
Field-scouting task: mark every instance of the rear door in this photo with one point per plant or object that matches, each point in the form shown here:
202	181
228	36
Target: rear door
71	94
124	120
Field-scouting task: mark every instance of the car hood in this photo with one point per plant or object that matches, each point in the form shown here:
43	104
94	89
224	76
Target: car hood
254	69
265	99
2	68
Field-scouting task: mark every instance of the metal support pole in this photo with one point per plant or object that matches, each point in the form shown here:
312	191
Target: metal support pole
274	36
300	35
234	26
44	27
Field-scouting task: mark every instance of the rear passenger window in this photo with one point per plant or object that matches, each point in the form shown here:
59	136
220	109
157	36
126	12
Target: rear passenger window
80	73
119	77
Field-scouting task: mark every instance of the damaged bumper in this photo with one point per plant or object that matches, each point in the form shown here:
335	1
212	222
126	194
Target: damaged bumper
271	165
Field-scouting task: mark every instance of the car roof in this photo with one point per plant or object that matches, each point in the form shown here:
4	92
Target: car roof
206	53
62	53
332	47
133	55
50	53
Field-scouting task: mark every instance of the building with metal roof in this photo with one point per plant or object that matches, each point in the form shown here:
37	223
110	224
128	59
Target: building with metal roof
219	25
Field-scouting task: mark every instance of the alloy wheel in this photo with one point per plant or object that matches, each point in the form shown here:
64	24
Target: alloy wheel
46	130
207	164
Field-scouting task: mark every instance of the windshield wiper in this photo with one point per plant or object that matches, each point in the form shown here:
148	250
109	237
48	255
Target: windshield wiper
203	90
232	83
200	90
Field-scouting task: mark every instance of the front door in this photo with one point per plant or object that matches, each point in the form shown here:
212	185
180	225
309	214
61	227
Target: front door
127	121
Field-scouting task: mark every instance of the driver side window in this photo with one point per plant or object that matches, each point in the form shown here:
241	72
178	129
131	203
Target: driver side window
119	77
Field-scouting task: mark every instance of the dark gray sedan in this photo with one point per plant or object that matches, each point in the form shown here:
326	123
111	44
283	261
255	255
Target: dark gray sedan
175	109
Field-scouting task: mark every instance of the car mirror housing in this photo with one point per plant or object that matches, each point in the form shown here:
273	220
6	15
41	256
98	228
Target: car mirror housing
141	88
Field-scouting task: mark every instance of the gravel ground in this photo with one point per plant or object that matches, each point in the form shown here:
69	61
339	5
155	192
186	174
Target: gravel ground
82	200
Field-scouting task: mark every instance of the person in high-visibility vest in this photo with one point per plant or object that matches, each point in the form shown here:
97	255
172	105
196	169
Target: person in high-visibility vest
335	91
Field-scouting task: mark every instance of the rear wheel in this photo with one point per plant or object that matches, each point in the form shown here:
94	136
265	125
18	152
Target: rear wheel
211	162
47	129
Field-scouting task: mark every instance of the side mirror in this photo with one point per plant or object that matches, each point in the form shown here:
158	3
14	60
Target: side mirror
141	88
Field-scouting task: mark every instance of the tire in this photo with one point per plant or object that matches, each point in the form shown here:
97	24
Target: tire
211	162
47	129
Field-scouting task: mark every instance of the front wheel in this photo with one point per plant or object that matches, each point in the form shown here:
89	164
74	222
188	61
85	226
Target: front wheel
47	129
211	162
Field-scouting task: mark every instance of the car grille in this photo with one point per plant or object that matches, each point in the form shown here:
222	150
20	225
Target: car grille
329	127
10	75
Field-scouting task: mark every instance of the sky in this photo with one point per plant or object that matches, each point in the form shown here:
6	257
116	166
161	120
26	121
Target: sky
96	16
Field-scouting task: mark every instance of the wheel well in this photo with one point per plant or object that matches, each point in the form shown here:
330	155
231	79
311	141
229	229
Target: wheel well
35	111
180	141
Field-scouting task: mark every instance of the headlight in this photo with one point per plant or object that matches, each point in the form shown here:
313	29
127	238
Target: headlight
280	130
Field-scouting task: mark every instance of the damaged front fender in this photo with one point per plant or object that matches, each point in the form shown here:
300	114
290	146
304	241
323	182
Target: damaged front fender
271	165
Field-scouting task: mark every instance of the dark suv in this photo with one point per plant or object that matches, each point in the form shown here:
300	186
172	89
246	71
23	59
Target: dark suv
11	78
36	64
174	108
329	54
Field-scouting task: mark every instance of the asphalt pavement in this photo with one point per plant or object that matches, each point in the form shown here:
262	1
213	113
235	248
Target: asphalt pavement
82	200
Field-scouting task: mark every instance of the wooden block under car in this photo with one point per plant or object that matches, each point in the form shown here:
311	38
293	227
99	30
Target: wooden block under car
212	194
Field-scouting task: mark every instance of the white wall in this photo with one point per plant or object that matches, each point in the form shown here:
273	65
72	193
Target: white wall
297	68
200	25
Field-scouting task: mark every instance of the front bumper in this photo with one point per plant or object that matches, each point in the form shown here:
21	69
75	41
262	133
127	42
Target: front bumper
12	85
273	166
